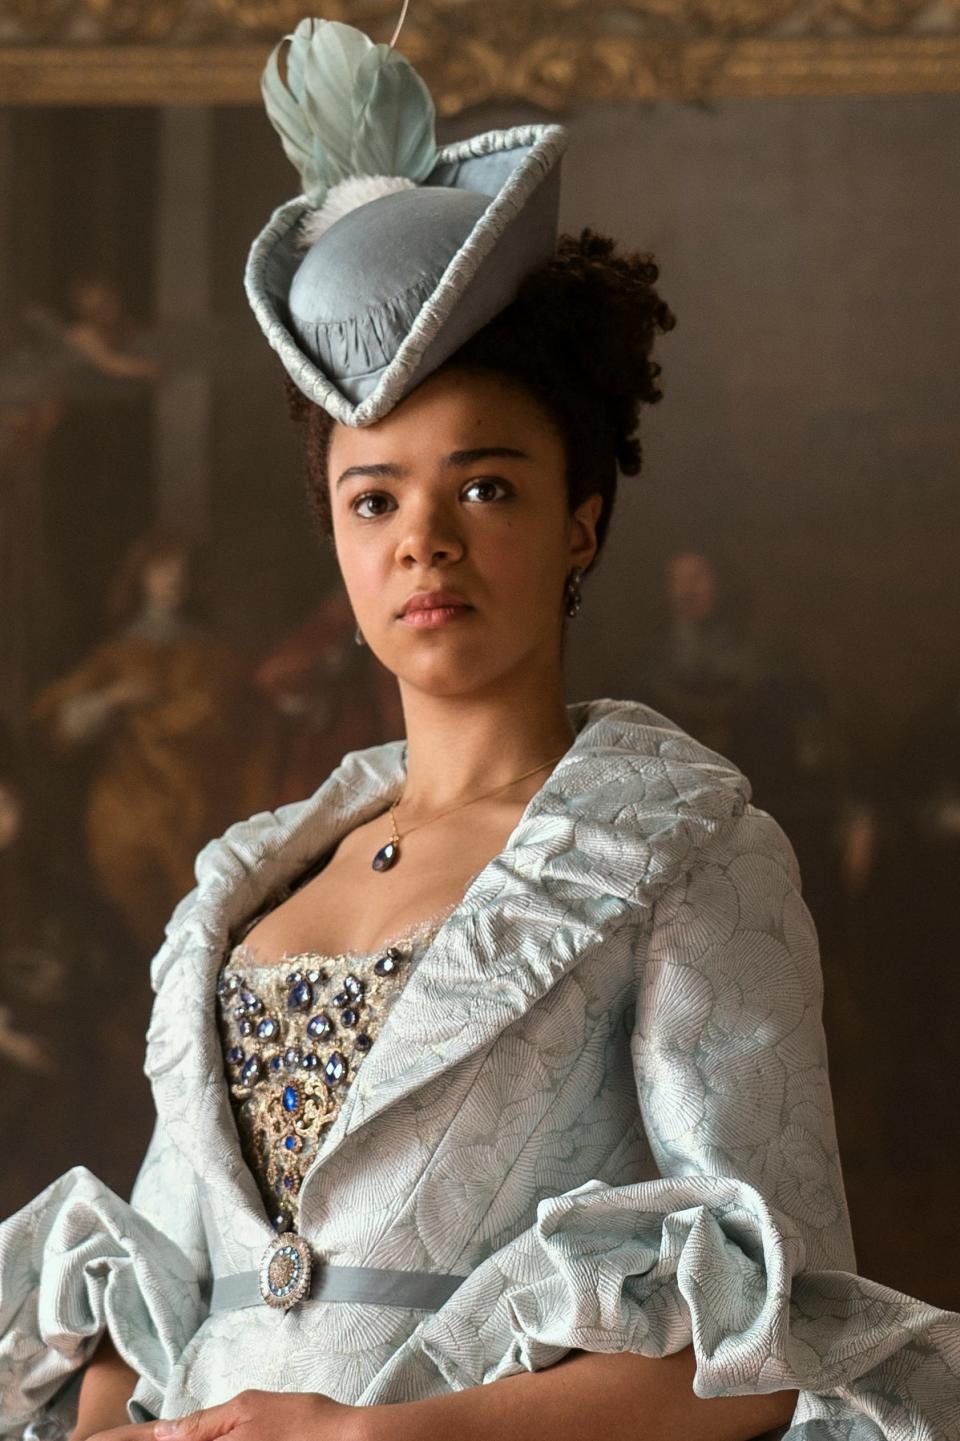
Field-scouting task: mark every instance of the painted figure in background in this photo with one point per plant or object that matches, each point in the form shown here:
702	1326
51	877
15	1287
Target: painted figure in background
713	675
333	694
104	335
180	743
706	662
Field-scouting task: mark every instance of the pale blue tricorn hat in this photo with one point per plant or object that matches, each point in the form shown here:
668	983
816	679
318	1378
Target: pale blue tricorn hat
397	251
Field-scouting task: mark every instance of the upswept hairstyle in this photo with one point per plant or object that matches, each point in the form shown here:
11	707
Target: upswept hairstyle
579	337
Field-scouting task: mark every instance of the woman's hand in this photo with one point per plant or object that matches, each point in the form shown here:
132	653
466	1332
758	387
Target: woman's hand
253	1416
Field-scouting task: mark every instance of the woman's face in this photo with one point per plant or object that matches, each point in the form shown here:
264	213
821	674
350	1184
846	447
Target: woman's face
165	582
461	491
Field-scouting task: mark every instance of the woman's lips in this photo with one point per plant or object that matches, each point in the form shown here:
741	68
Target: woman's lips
430	617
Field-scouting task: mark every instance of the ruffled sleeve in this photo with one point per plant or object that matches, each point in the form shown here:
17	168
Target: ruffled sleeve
78	1261
741	1247
75	1262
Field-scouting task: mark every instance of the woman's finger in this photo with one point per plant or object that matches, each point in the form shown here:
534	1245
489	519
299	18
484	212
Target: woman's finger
204	1425
141	1431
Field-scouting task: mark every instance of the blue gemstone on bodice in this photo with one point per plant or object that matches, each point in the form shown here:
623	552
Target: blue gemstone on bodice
319	1026
387	963
386	856
335	1070
291	1098
267	1028
300	997
349	1016
353	987
251	1071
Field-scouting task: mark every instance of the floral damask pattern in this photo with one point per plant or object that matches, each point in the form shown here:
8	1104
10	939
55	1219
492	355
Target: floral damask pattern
602	1095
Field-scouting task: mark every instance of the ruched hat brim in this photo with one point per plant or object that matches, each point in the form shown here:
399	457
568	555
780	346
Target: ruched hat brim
397	286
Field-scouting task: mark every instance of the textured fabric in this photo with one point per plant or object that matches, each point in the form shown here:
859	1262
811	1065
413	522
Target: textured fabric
360	287
518	170
603	1094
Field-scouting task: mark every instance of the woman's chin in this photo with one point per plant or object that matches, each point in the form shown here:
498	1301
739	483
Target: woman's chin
449	671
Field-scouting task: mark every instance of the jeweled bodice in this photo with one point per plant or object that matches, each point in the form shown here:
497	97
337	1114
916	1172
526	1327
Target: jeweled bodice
294	1035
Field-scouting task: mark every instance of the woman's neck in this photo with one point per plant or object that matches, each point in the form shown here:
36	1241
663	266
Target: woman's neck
458	747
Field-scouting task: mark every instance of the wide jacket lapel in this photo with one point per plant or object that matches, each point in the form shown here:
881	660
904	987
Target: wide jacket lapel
617	820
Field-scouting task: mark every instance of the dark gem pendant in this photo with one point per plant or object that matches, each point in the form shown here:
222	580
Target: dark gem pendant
386	856
335	1070
282	1222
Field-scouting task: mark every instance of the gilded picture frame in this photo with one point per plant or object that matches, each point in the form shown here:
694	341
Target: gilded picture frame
553	54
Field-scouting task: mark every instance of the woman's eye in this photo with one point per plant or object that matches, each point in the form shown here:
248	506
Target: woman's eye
372	503
486	489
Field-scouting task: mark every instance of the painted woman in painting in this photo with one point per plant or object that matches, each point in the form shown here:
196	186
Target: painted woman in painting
177	735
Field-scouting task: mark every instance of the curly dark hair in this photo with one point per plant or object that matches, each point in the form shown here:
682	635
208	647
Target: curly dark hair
578	337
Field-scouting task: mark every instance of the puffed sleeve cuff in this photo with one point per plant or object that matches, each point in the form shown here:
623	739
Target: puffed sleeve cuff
75	1262
653	1267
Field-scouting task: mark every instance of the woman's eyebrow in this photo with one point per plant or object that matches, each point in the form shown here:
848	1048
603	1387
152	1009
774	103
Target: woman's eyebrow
483	452
456	458
383	469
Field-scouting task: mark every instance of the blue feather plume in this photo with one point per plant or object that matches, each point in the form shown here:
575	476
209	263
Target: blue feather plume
348	107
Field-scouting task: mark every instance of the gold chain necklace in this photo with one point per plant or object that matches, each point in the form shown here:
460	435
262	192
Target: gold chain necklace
389	854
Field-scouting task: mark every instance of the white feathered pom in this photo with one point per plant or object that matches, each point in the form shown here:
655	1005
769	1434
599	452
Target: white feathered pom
345	196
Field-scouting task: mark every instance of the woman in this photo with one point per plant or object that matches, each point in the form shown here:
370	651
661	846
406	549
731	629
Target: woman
512	1030
178	735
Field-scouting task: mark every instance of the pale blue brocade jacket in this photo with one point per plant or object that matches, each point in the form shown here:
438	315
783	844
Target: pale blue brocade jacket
602	1093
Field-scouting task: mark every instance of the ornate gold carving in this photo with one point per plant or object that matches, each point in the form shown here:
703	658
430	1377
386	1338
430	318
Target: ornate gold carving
554	54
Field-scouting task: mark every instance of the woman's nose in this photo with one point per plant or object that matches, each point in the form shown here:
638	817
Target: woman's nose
431	537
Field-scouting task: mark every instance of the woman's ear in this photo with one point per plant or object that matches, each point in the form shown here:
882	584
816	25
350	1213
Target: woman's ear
583	531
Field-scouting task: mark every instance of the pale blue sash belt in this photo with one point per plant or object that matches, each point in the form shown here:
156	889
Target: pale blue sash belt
366	1285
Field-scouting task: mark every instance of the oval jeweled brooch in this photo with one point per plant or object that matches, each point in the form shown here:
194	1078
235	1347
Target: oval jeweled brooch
285	1271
